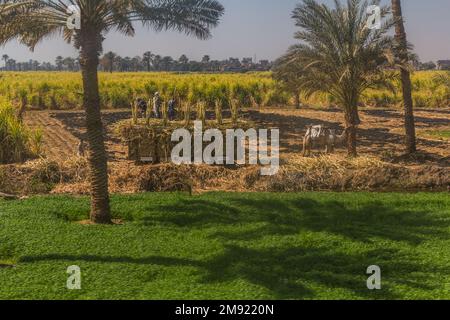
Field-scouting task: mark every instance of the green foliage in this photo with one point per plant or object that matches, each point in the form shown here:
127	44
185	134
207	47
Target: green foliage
252	90
17	142
62	90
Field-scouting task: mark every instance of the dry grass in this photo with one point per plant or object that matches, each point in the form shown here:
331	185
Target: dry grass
336	163
338	173
41	175
380	168
322	173
128	178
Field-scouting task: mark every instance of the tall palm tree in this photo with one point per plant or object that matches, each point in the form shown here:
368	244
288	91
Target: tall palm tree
402	56
31	21
110	57
69	62
59	62
157	62
147	58
340	55
167	63
183	61
5	58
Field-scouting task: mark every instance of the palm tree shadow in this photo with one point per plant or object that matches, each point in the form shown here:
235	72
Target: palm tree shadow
292	271
191	213
371	222
288	273
368	223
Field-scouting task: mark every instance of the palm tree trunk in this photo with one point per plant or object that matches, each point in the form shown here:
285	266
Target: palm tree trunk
100	209
297	100
402	55
351	120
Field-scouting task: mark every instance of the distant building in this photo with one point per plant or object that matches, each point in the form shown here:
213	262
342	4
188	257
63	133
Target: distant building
443	65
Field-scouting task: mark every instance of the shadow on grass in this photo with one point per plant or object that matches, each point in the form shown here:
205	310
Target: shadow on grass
370	222
293	272
287	273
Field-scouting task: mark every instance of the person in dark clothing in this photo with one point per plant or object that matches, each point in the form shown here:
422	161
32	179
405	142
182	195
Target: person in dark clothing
142	107
172	112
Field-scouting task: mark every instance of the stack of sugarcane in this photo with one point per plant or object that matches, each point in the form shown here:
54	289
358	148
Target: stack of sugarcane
147	144
152	143
150	140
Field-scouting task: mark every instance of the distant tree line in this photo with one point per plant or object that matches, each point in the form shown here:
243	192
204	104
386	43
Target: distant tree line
60	64
112	62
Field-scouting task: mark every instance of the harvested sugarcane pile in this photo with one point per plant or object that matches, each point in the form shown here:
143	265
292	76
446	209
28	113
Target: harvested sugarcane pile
149	141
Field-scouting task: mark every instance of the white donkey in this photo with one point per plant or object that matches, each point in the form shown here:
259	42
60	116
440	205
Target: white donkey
322	136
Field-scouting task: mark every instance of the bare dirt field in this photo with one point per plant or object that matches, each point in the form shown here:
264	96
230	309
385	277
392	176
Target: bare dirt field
381	131
381	165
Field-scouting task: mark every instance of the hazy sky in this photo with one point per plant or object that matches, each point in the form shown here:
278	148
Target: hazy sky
254	27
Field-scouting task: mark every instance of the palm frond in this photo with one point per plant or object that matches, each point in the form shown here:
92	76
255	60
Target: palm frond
30	21
338	54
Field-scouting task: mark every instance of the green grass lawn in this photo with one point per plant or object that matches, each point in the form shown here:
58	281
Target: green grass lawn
229	246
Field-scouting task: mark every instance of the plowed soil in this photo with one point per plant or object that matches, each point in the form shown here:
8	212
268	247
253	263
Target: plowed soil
380	134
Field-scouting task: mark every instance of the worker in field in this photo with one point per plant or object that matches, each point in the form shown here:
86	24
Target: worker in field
142	106
172	112
157	105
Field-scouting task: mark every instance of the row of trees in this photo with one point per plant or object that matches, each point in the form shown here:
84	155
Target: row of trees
153	62
112	62
13	65
341	55
68	63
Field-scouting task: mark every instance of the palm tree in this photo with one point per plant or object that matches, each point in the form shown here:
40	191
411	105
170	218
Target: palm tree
126	62
157	62
167	63
340	55
5	57
183	60
35	65
206	59
69	63
206	63
31	21
136	63
110	57
147	58
402	56
59	62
